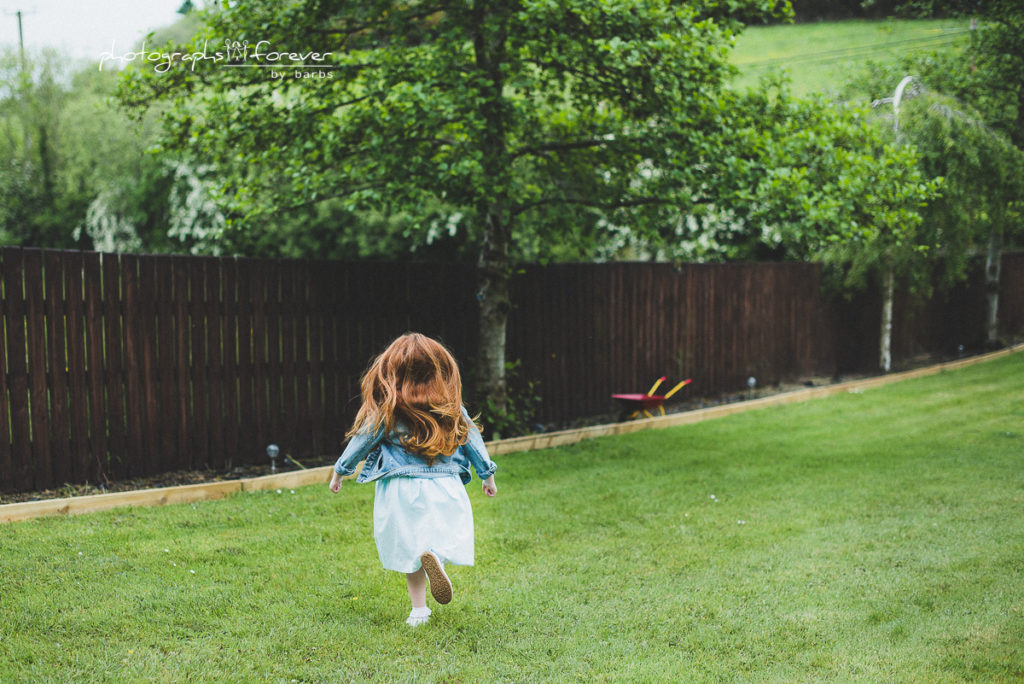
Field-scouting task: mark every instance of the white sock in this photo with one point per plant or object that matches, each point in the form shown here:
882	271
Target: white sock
418	616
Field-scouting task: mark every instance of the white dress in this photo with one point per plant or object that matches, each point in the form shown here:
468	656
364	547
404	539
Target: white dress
416	514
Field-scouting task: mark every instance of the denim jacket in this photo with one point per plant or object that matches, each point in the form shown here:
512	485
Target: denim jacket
386	457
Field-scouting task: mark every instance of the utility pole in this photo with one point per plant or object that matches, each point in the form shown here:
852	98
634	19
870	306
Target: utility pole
20	16
21	43
21	38
23	77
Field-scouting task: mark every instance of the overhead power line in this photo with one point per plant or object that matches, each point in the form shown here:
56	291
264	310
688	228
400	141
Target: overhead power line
859	51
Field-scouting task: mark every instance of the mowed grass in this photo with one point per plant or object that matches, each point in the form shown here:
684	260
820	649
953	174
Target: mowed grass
818	57
865	537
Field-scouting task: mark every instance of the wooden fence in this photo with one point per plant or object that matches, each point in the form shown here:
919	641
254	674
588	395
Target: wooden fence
585	331
121	366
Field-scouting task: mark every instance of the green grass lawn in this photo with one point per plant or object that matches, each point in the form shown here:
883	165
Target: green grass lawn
819	57
866	537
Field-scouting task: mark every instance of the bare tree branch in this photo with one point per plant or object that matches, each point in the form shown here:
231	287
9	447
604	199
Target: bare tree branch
607	206
561	147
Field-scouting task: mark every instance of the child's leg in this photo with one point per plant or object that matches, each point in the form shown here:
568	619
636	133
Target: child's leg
417	582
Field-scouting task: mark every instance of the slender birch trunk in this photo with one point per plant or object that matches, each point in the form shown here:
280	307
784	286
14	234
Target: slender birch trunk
993	271
885	342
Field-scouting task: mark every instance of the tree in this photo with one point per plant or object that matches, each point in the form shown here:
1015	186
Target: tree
74	173
984	180
969	128
34	211
823	182
996	68
997	74
534	113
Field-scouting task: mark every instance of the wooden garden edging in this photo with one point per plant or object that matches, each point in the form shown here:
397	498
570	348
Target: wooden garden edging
215	490
160	496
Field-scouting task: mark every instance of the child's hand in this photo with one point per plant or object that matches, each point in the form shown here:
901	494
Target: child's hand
335	483
490	489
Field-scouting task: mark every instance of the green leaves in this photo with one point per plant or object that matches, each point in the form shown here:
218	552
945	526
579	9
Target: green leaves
549	113
958	125
820	181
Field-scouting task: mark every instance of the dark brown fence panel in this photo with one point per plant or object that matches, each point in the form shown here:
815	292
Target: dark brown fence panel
198	389
135	334
290	406
318	344
88	378
35	329
258	278
324	285
333	286
5	396
114	360
214	342
20	475
249	435
179	357
35	319
1011	295
274	388
230	308
58	363
150	331
166	447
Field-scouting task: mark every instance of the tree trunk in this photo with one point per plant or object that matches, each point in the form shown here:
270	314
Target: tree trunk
993	266
492	208
885	342
493	295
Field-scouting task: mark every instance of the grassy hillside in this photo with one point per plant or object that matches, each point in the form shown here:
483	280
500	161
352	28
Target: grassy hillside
819	56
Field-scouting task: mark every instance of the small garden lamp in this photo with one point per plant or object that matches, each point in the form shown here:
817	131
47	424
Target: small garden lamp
751	384
272	452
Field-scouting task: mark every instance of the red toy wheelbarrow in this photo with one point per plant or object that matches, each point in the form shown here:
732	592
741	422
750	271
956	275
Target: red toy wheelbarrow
635	404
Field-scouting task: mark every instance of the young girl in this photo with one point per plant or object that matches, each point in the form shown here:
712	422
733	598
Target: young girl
418	442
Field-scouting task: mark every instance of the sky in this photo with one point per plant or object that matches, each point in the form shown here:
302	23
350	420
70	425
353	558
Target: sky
84	28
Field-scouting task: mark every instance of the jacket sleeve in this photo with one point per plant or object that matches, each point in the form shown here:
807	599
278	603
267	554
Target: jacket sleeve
357	449
476	452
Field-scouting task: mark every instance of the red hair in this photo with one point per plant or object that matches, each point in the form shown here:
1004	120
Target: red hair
416	382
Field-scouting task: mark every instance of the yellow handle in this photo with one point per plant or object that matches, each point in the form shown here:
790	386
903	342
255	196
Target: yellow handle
678	387
655	386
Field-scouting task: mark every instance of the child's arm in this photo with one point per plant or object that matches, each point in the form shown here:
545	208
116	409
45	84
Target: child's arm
357	449
477	453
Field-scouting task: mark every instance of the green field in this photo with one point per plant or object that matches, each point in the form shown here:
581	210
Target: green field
874	536
818	57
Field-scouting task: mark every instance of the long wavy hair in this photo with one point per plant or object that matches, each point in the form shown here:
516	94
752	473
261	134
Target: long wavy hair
415	382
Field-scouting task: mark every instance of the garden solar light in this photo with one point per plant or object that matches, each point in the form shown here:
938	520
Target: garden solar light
751	384
272	451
